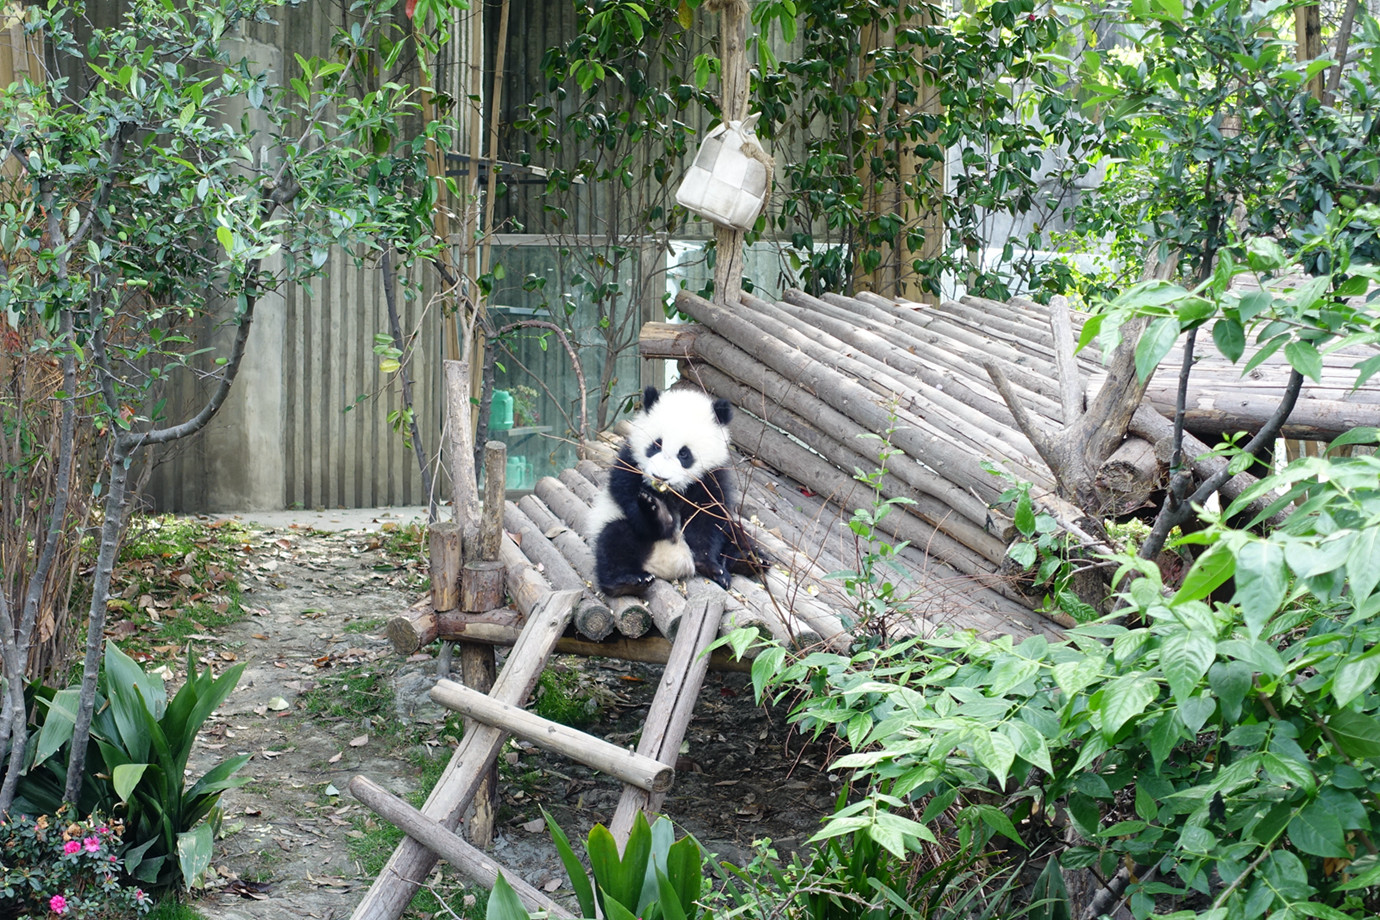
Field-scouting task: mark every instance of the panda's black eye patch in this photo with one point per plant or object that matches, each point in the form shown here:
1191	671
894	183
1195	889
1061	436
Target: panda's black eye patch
654	448
685	457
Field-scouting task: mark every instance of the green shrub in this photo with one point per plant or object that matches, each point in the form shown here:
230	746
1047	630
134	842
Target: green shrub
137	767
57	866
1234	748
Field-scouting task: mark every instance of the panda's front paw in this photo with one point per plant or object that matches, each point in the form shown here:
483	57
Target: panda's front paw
634	583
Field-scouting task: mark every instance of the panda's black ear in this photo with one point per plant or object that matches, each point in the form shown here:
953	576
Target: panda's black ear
723	411
649	398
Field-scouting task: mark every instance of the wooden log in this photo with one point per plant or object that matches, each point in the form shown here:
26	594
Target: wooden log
632	615
646	649
565	504
526	586
628	767
466	859
929	398
911	405
478	669
845	395
421	625
460	440
1155	428
1216	412
937	501
495	480
411	862
1130	477
674	703
482	587
664	603
593	618
444	558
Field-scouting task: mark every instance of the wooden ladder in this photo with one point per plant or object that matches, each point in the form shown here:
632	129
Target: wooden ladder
646	774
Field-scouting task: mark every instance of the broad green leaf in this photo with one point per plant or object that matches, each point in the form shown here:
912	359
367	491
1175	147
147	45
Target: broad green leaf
1154	344
1073	676
1357	735
1010	672
1261	583
194	854
1185	657
1230	338
1024	518
226	236
1356	675
1124	699
504	903
995	752
1362	570
1208	573
1030	745
1230	681
1195	711
1265	255
58	723
1316	831
579	881
126	777
1304	358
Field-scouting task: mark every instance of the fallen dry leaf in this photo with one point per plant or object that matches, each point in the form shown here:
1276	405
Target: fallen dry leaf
359	741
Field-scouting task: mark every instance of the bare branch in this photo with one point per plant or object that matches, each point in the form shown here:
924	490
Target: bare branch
1071	385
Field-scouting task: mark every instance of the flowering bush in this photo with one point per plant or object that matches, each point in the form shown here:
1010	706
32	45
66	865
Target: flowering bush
55	867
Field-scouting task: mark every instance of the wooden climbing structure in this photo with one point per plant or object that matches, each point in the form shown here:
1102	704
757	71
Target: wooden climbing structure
810	378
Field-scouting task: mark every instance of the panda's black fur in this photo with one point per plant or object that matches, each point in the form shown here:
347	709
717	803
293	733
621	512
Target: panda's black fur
668	504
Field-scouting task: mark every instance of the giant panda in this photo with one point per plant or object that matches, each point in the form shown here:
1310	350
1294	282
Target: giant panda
667	510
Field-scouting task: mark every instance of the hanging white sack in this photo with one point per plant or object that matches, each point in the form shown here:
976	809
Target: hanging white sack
730	180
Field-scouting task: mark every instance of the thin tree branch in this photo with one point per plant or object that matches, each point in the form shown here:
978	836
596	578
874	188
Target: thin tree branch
574	363
390	296
1170	517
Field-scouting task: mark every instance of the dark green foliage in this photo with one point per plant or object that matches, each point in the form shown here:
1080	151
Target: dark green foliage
142	744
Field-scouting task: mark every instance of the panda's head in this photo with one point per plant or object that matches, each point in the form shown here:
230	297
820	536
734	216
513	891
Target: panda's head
679	437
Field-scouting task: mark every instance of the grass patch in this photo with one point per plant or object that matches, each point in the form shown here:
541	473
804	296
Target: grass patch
564	695
172	909
175	577
369	625
362	696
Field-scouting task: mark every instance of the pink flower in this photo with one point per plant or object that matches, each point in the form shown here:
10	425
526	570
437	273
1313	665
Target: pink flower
103	831
92	844
71	847
139	895
58	903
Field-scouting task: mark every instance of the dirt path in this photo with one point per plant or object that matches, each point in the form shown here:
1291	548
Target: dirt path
317	600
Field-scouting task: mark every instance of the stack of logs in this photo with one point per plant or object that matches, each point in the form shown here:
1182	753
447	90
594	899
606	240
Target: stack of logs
814	375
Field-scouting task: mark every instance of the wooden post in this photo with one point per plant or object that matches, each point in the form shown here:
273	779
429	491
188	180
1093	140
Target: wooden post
1308	38
409	865
445	565
483	590
733	82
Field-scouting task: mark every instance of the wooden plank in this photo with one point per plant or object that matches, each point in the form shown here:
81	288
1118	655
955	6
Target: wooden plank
410	863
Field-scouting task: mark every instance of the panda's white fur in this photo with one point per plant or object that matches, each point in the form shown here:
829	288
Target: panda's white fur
680	440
